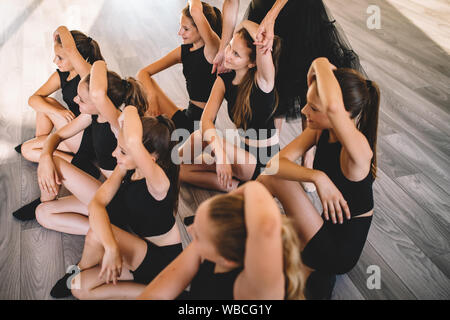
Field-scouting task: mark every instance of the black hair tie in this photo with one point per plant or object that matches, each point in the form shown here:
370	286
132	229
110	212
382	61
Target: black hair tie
126	84
368	83
89	39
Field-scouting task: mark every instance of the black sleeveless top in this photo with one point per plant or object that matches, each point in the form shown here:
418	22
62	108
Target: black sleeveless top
70	91
104	142
197	71
359	195
261	103
208	285
145	215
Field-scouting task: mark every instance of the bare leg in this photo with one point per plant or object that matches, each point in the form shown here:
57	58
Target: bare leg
62	214
297	206
133	250
43	125
31	150
202	174
68	215
165	105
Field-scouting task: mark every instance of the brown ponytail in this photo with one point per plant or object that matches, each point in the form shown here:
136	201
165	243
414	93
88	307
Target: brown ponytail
243	114
156	137
86	46
125	91
362	100
228	217
212	14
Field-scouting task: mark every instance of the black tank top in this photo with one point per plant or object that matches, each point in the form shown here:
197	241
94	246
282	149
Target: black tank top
197	71
69	91
261	103
208	285
104	142
359	195
145	215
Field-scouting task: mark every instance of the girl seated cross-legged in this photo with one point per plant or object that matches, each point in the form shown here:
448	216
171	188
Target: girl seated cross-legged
143	189
342	115
252	99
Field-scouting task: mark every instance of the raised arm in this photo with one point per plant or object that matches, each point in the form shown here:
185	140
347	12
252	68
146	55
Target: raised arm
265	73
230	12
265	33
81	66
100	224
98	88
354	143
260	279
158	183
211	39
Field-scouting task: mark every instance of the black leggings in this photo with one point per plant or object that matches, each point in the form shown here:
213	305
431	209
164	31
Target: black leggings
336	248
185	119
262	155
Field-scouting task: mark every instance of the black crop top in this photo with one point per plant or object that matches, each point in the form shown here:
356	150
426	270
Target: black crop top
208	285
104	142
262	105
69	91
359	195
145	215
197	71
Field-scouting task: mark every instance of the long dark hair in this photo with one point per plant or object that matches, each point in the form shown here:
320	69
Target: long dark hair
362	100
88	47
127	91
243	113
156	137
212	14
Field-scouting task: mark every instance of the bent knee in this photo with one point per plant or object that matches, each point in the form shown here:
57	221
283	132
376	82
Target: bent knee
44	215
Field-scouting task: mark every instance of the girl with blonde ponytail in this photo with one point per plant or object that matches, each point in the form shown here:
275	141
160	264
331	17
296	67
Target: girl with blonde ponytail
242	248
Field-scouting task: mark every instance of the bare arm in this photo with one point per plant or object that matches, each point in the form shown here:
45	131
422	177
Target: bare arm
171	282
158	183
355	145
265	73
98	89
211	39
81	66
230	11
259	279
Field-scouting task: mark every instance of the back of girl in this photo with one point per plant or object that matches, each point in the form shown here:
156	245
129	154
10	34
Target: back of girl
200	25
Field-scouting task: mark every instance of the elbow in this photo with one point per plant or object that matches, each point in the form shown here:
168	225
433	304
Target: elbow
31	100
142	74
97	96
196	10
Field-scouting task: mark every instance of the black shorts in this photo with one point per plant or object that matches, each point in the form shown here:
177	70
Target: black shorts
184	119
262	155
156	259
336	248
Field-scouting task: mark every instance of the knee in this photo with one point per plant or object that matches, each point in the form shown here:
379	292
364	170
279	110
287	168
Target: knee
27	150
43	215
82	292
266	180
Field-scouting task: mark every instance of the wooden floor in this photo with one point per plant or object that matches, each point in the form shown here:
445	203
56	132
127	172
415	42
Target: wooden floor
409	239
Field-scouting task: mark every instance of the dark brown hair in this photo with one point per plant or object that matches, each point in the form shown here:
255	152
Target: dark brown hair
127	91
88	47
230	234
243	114
212	14
362	100
156	137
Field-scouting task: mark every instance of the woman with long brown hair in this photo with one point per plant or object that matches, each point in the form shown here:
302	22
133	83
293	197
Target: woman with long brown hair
342	116
252	100
234	237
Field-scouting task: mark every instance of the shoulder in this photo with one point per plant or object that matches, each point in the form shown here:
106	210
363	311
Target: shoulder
227	77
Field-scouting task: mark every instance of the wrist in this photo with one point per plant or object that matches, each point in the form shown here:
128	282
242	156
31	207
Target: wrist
112	247
318	176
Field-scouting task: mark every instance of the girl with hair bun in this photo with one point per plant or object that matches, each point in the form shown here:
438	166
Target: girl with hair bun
100	95
75	53
143	189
